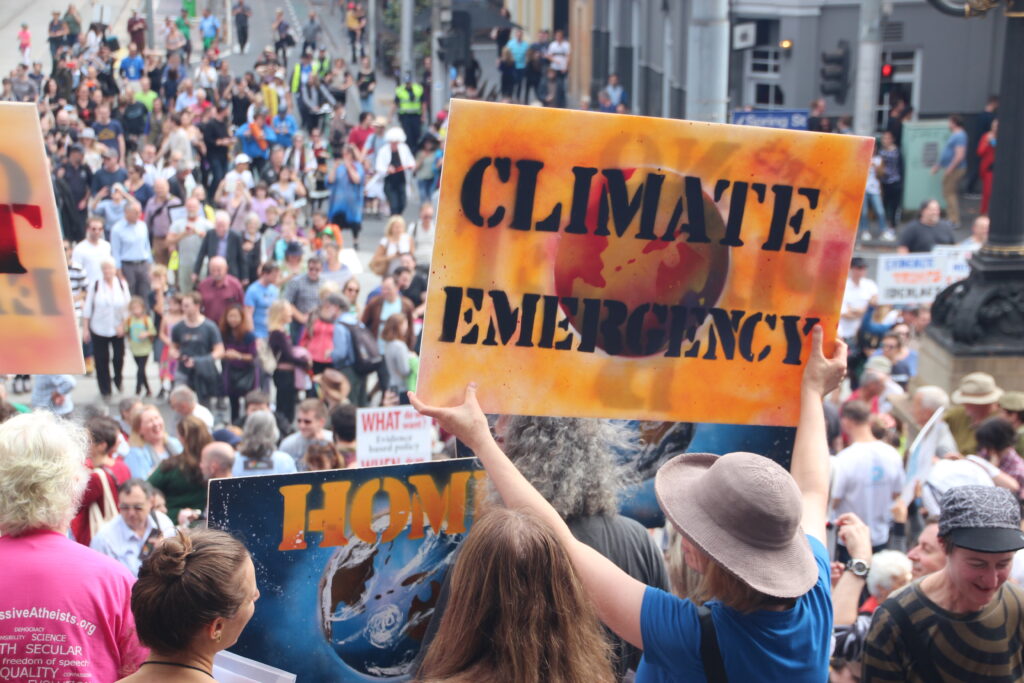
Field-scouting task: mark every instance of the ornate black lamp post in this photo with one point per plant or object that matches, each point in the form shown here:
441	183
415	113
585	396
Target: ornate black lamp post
984	314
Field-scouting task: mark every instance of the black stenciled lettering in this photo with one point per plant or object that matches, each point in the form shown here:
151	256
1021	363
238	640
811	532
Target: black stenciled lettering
526	191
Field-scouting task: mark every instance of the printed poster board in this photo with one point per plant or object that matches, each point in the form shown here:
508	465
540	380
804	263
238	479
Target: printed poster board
921	147
38	331
349	562
595	265
397	435
920	455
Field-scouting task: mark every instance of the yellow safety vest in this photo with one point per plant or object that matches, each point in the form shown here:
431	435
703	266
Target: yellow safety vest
410	103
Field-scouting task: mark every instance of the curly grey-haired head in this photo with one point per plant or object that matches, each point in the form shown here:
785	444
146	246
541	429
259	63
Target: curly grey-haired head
570	461
259	435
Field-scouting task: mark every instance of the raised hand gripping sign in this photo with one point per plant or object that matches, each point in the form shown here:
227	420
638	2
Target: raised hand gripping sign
38	331
596	265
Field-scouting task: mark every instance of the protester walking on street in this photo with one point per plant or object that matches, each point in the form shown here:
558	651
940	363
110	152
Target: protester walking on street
104	316
953	164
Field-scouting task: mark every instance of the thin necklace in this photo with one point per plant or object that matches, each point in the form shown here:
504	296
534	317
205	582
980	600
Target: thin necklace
183	666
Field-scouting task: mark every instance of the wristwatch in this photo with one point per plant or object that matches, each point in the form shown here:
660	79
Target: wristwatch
858	567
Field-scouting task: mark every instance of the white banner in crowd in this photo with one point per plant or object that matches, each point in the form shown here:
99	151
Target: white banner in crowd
918	278
392	436
920	455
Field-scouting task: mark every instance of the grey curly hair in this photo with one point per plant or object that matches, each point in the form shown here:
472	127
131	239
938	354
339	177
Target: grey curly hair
259	435
572	462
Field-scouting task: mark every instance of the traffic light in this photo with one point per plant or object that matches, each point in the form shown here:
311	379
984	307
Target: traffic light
835	72
887	71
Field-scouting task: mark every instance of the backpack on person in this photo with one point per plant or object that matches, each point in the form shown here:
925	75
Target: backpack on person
364	349
268	361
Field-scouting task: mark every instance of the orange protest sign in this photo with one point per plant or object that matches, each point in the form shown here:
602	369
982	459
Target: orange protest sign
596	265
38	333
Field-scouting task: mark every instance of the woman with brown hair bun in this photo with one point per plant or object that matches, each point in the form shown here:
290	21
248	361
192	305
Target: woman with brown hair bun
518	611
194	596
179	477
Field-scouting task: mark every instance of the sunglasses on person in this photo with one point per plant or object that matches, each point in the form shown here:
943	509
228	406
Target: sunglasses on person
138	507
303	421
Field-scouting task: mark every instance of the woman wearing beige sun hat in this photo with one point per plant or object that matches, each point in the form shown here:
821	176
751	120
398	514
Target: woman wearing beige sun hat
753	531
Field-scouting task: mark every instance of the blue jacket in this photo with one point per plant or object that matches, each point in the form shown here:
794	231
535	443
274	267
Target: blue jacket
249	144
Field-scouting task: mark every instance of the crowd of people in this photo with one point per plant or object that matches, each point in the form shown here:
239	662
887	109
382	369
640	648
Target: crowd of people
231	286
212	218
883	194
743	584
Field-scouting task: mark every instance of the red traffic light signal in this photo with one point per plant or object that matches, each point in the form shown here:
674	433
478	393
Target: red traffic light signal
887	71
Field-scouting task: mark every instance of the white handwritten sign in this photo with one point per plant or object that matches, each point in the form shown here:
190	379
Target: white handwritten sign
392	436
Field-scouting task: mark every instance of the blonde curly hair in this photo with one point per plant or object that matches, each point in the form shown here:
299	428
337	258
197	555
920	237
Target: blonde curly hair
42	473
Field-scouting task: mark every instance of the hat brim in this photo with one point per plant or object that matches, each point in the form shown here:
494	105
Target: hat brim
988	540
961	398
787	572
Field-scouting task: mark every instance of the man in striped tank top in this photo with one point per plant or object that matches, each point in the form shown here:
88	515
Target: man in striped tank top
964	622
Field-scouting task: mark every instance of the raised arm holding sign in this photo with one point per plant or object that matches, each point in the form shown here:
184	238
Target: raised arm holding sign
742	520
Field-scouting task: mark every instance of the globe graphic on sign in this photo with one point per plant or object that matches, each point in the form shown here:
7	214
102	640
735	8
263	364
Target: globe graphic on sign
374	615
673	272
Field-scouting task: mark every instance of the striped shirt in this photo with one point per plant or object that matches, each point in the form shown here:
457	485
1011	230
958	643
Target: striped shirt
79	278
981	647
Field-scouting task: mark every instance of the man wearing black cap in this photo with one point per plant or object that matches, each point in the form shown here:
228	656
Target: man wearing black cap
964	622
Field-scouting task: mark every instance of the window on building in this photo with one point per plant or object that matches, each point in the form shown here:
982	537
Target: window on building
901	85
768	94
765	60
763	65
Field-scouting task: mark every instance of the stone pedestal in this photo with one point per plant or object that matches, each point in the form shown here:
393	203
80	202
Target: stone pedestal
939	366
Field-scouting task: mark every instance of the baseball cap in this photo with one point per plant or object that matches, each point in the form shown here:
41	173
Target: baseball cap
87	133
858	262
227	436
981	518
242	158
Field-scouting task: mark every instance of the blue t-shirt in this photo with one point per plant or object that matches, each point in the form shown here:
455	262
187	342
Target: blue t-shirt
259	297
957	139
518	48
791	646
131	67
209	26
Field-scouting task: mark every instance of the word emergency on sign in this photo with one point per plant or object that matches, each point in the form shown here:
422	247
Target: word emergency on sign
636	268
38	330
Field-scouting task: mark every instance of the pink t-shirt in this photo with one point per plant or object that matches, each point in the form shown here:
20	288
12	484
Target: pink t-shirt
65	612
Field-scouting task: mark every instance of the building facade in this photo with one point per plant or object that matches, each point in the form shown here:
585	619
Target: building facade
940	64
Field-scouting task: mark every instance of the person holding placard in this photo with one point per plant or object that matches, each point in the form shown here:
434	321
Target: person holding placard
742	520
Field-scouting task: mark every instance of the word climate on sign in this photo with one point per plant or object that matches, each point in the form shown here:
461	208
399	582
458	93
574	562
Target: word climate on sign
635	267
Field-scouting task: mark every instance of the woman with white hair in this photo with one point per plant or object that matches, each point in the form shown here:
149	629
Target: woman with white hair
103	320
73	599
258	448
395	163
